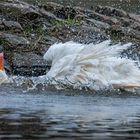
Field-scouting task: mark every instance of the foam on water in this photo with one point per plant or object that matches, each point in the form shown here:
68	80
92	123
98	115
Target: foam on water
91	67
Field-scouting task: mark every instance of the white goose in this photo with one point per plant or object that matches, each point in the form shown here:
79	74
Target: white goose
96	66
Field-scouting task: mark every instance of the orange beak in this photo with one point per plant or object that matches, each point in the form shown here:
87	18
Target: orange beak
1	61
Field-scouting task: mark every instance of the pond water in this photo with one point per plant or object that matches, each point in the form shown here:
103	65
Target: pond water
68	115
128	5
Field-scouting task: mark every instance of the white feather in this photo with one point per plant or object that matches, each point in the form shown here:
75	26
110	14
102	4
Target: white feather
96	66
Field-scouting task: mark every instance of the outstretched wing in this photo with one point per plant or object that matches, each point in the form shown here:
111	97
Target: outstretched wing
102	50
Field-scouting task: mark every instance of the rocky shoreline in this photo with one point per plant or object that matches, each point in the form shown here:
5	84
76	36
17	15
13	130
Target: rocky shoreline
27	31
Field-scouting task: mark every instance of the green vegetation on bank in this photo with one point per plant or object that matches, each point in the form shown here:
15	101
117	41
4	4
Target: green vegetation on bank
67	22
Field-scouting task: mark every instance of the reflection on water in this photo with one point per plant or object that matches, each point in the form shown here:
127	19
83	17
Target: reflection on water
17	124
64	115
38	125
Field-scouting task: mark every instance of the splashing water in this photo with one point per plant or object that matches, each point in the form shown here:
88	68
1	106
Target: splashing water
3	77
92	66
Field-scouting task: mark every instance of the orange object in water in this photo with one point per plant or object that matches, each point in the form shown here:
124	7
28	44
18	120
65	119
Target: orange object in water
1	61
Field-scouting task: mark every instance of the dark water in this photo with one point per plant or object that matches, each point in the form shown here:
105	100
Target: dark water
128	5
62	115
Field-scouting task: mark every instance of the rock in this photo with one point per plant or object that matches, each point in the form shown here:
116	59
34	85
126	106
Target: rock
48	15
135	17
86	35
14	40
103	18
110	11
126	33
28	64
81	10
52	7
1	48
50	40
82	34
131	32
45	23
97	24
80	17
62	12
136	26
66	13
126	21
43	46
1	25
12	25
17	8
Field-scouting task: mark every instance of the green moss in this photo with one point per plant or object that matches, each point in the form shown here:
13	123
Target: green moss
28	30
67	23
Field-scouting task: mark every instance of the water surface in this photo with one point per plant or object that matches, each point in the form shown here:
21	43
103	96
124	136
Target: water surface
68	115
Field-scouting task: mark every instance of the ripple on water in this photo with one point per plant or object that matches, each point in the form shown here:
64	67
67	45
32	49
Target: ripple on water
67	115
